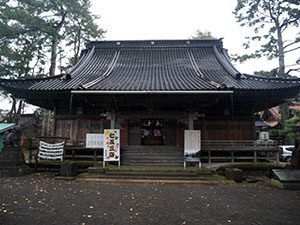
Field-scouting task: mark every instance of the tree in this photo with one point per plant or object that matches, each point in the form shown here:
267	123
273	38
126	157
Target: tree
202	35
273	22
289	129
272	73
80	28
32	31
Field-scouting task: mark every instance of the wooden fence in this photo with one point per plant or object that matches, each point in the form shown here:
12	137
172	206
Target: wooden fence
211	151
239	150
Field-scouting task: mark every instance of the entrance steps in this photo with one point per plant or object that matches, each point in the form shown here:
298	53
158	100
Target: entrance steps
152	173
152	156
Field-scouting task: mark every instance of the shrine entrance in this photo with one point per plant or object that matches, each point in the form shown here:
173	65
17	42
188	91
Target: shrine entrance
152	132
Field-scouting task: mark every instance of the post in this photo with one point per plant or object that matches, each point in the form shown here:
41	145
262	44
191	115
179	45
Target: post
232	156
209	156
113	120
255	156
191	121
277	156
95	155
30	155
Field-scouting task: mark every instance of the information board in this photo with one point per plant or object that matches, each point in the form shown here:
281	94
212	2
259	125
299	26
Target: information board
111	145
94	141
192	145
287	175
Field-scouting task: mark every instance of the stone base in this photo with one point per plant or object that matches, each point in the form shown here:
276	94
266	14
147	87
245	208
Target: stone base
234	174
96	170
13	171
12	162
68	169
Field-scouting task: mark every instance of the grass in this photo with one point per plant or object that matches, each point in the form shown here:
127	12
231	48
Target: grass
254	166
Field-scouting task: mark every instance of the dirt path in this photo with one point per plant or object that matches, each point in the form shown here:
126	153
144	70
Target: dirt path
38	199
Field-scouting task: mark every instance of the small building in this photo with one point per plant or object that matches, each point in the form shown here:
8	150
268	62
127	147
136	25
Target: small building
152	91
3	128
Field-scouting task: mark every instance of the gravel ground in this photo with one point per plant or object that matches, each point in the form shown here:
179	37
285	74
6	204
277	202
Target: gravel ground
38	199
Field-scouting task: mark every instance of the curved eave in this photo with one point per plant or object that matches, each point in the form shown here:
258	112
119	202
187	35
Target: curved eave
267	83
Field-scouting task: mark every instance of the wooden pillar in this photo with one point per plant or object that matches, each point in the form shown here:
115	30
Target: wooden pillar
53	130
191	121
232	156
113	120
255	156
75	139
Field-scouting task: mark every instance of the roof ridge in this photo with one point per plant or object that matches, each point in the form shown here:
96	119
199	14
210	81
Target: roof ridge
155	43
198	72
225	63
82	64
31	78
274	79
106	73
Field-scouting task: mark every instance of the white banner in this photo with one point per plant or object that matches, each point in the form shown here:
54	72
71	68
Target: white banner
192	145
94	141
111	145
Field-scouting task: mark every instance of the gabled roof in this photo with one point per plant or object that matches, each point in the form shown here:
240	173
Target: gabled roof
153	65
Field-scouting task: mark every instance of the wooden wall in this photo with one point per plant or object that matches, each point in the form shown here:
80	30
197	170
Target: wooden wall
75	129
226	129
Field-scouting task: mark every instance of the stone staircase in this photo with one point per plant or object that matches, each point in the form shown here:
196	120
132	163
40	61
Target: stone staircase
152	156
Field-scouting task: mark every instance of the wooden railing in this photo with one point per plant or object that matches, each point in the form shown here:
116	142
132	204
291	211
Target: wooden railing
239	150
71	152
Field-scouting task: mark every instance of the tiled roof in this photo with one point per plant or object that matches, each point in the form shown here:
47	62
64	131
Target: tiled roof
159	65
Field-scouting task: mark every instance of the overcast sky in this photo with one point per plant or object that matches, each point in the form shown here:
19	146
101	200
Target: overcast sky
177	19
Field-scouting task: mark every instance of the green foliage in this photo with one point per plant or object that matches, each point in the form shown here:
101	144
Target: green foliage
263	73
32	32
80	28
290	129
32	29
202	35
270	20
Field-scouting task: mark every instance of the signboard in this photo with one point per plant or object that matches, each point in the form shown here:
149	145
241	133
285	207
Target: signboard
192	145
94	141
287	175
111	145
264	135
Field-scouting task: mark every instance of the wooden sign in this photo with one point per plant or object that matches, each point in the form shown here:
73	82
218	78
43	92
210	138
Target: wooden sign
192	145
94	141
111	145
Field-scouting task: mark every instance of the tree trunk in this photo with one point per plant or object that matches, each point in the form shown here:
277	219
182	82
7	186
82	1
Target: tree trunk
281	68
285	113
284	108
18	113
53	56
45	122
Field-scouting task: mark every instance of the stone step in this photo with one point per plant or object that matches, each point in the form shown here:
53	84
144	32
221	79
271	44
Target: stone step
152	155
148	163
202	174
